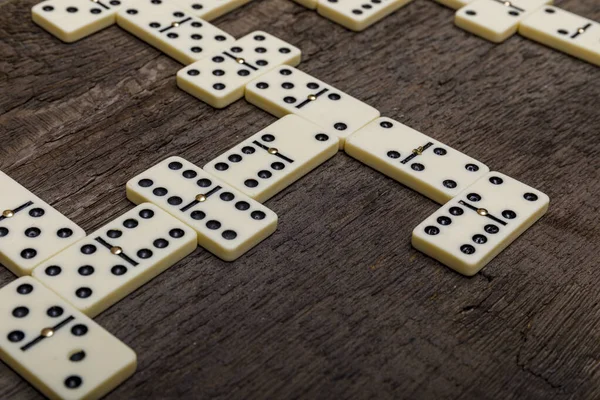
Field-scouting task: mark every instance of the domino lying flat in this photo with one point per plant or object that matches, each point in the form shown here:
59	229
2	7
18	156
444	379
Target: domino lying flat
30	230
274	158
287	90
414	159
172	30
228	222
71	20
60	351
219	80
455	4
211	9
564	31
117	259
495	20
475	226
358	15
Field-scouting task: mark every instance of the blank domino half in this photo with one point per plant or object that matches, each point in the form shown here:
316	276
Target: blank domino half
287	90
475	226
31	231
414	159
172	29
71	20
272	159
219	79
358	15
59	350
564	31
228	222
118	258
211	9
495	20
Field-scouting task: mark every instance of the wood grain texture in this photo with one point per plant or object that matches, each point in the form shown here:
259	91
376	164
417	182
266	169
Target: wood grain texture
336	304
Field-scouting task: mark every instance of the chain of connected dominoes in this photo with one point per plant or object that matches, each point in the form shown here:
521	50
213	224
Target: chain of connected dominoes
68	277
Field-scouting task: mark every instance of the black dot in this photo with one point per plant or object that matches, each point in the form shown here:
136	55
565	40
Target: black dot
114	233
479	239
219	86
3	231
227	196
443	220
218	72
471	167
242	205
118	270
334	96
130	223
252	183
160	243
198	215
467	249
16	336
264	174
172	35
236	49
132	11
450	184
88	249
312	85
161	191
146	213
321	137
196	49
193	72
73	382
28	254
48	8
285	71
340	126
220	38
32	232
386	124
496	180
55	312
221	166
72	9
248	150
509	214
115	3
514	13
289	99
473	197
145	183
76	357
197	6
175	200
471	12
20	312
278	166
25	288
64	233
53	270
262	85
212	224
83	292
491	228
36	212
456	211
144	253
393	154
284	50
259	38
260	50
86	270
549	10
287	85
95	11
176	233
235	158
432	230
229	235
218	59
440	152
530	196
189	174
154	25
417	166
258	215
268	138
204	182
175	165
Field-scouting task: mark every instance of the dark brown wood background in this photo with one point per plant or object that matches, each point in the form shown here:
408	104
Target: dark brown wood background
336	304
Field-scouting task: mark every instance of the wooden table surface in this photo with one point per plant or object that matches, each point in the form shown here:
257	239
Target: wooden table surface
336	304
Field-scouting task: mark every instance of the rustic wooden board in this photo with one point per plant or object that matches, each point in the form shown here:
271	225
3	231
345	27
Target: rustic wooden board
336	304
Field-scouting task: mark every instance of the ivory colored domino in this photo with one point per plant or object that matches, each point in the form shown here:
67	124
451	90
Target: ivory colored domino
57	349
219	79
564	31
212	9
172	29
475	226
454	4
287	90
495	20
228	222
414	159
274	158
71	20
118	258
358	15
31	231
